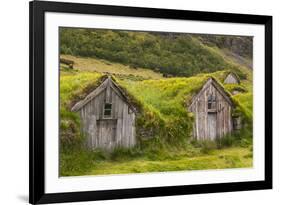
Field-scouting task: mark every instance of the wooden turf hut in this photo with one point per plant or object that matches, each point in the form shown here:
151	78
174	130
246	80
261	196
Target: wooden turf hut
107	117
231	78
212	108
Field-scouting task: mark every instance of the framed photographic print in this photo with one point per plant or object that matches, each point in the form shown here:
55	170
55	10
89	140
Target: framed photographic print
140	102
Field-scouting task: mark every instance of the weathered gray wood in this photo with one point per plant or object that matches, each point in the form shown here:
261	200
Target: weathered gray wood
92	131
212	126
231	78
107	133
89	97
214	122
119	132
219	88
68	62
108	93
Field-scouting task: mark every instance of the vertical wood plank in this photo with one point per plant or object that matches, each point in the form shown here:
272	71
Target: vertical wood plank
107	95
108	133
223	121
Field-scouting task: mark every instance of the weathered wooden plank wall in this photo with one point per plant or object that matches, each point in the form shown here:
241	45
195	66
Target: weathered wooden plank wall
206	119
108	133
231	79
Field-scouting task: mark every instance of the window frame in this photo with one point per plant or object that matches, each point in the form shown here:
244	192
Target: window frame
107	109
212	102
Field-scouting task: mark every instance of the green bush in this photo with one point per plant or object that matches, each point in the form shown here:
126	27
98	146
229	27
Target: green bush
206	146
176	54
225	141
121	153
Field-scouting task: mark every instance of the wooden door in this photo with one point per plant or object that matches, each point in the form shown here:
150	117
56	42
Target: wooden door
107	133
212	126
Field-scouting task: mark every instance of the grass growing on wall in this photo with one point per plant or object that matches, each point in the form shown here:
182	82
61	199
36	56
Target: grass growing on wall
73	86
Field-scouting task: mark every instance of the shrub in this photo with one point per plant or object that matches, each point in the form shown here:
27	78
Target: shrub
121	153
181	55
225	141
206	146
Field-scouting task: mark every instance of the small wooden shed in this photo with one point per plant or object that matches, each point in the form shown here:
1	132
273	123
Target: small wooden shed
231	78
212	108
107	117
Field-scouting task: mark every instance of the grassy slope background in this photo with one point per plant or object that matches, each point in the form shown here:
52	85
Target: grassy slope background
163	125
170	53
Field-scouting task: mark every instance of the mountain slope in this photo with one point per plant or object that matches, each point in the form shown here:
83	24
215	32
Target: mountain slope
175	54
104	66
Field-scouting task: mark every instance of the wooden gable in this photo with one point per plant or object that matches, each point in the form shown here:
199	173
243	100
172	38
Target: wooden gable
105	85
219	88
107	117
231	78
212	108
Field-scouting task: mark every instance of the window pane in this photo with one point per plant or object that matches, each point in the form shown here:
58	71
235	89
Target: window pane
107	112
107	109
107	106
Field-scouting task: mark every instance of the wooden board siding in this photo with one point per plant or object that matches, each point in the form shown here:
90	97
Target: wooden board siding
107	133
212	125
215	122
231	79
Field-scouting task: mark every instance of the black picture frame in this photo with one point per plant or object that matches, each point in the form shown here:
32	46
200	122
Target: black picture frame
37	10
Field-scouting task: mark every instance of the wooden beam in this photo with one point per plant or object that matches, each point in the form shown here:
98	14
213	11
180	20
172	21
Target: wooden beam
89	97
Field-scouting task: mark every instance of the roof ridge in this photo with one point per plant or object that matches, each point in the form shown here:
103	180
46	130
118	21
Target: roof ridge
217	85
108	81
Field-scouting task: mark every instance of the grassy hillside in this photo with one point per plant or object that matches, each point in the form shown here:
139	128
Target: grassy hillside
238	45
163	125
163	102
104	66
176	54
137	62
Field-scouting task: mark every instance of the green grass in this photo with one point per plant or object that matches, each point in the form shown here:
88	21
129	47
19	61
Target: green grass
164	103
235	157
104	66
163	126
176	54
73	87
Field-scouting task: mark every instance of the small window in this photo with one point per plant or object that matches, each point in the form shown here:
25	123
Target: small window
107	110
211	102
